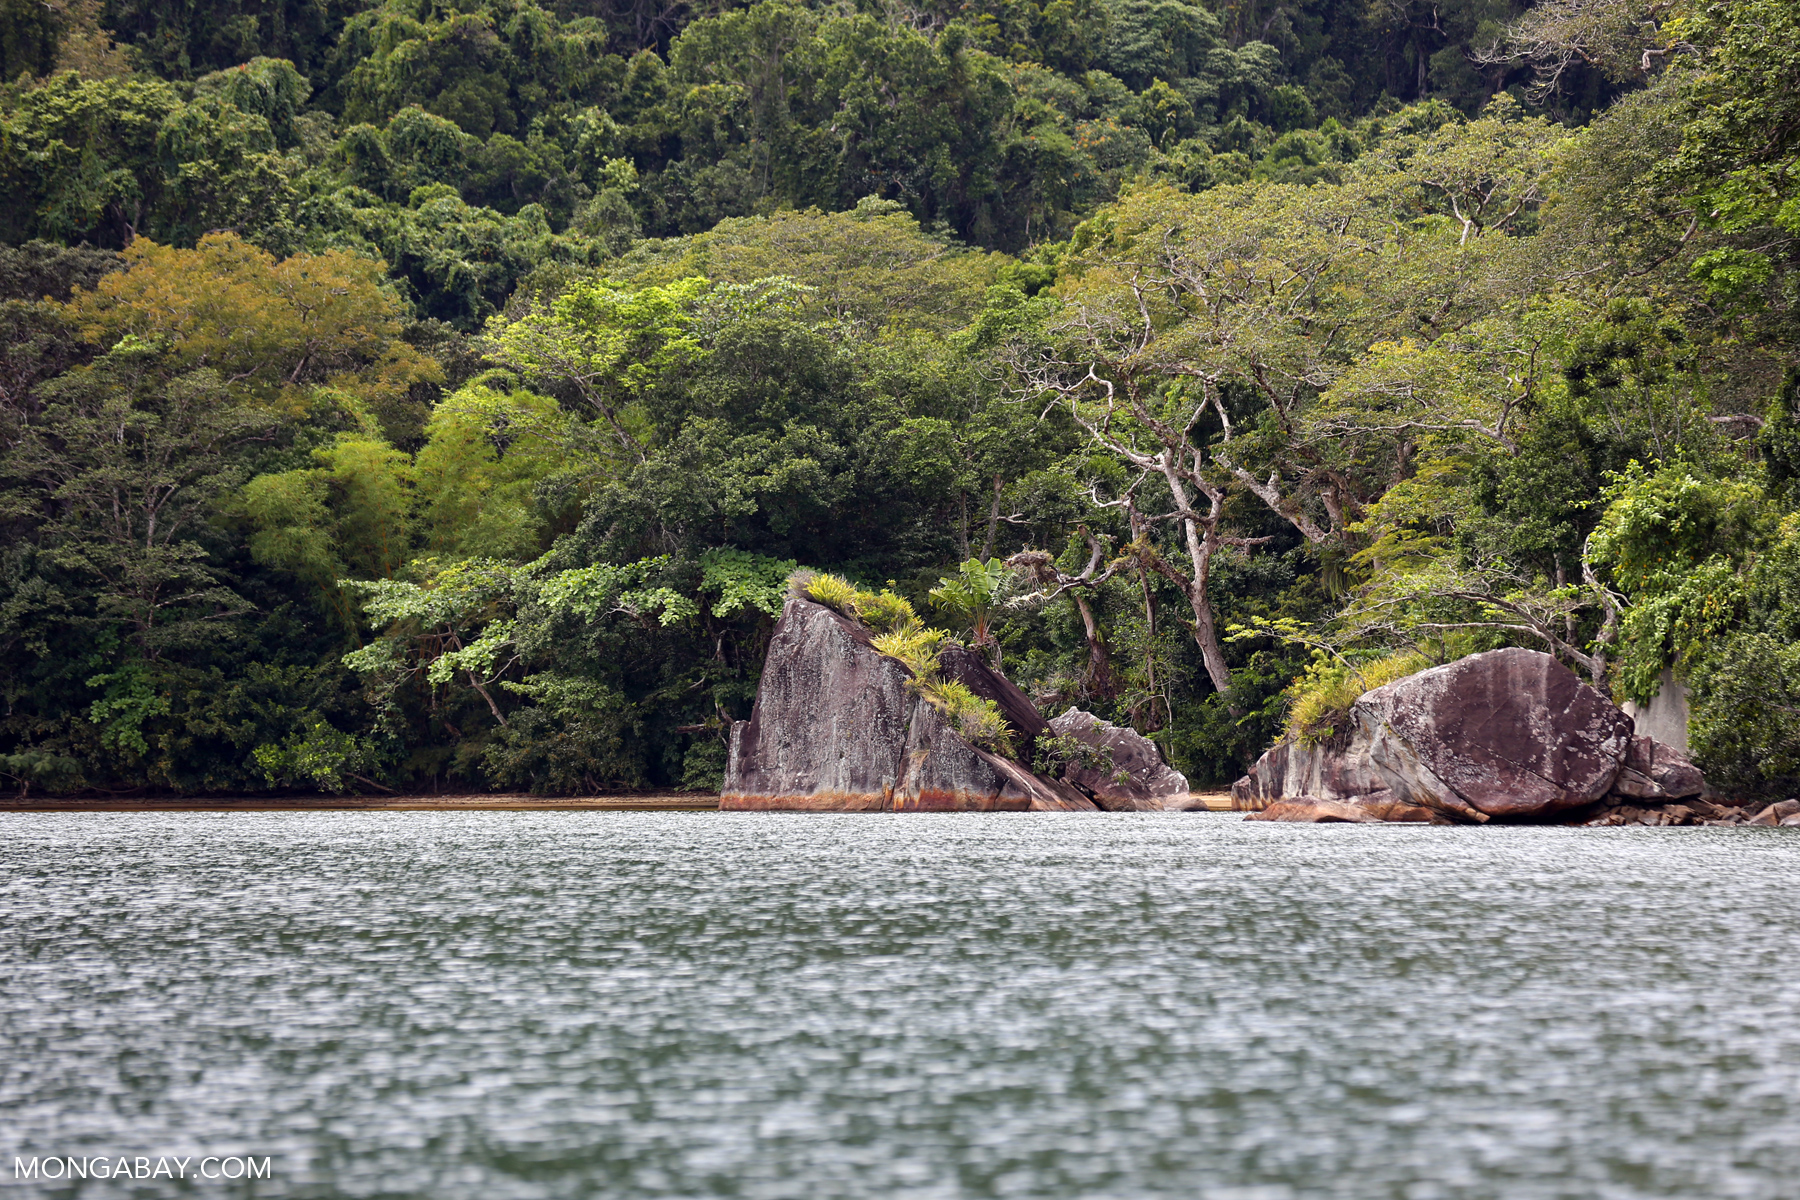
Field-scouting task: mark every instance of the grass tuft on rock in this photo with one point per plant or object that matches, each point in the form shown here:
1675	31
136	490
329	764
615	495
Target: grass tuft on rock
1319	701
914	645
881	611
900	635
834	593
979	721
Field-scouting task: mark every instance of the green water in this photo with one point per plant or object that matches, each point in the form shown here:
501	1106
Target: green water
498	1005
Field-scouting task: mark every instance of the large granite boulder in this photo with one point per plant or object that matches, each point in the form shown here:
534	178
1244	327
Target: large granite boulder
836	729
1139	782
1510	735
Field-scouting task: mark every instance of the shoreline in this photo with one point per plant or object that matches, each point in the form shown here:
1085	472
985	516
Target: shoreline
506	802
650	802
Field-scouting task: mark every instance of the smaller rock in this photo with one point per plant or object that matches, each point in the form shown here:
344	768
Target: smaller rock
1791	822
1654	770
1139	782
1309	810
1198	802
1784	809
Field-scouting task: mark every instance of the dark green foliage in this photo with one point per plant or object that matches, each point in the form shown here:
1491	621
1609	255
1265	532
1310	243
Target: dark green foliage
342	526
1748	738
492	69
1746	727
43	270
183	39
28	36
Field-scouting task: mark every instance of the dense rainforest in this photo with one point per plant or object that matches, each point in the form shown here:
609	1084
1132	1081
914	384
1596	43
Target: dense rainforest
439	394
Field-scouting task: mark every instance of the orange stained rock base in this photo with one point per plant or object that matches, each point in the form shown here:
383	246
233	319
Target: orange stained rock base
925	801
1313	811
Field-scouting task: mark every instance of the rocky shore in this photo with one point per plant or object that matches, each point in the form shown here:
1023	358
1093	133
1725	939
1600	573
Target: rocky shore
839	727
1510	736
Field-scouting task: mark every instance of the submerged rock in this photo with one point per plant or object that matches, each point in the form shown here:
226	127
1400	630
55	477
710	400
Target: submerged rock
836	729
1139	780
1511	735
1312	810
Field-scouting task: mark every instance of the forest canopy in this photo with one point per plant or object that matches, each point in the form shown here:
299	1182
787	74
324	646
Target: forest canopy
439	393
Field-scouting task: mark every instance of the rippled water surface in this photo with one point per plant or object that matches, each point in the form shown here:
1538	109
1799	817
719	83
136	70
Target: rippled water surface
496	1005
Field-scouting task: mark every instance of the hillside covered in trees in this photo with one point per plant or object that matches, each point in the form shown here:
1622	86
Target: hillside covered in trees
438	394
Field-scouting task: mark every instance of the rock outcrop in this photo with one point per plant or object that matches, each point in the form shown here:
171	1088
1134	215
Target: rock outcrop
1781	814
1654	771
1693	810
1507	735
965	666
836	729
1139	780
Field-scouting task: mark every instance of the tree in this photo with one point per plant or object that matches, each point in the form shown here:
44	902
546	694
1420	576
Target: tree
973	595
273	332
79	158
1189	303
606	344
118	481
486	67
871	269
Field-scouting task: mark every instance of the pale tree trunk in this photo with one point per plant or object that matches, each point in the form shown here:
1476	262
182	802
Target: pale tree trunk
987	547
1099	673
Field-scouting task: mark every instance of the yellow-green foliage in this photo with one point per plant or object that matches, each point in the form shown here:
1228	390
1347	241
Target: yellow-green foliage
836	594
977	720
485	452
914	645
881	611
902	636
1320	700
884	611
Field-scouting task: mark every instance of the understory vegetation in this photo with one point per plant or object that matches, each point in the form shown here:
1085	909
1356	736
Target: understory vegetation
445	394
